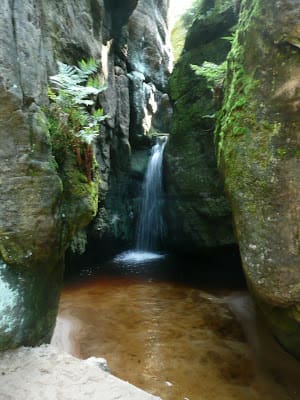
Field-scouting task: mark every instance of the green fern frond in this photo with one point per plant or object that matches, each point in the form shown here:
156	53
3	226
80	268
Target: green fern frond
88	134
89	67
75	89
98	115
95	83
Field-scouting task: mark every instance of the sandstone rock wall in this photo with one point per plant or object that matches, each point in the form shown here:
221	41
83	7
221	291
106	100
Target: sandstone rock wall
259	152
199	216
37	217
139	64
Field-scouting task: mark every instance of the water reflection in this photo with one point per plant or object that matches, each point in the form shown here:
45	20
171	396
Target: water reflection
175	340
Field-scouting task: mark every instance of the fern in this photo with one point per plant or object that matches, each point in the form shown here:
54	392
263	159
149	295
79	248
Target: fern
88	68
91	126
73	90
75	85
73	119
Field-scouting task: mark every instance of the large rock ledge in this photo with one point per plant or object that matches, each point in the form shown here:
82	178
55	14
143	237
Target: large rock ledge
46	373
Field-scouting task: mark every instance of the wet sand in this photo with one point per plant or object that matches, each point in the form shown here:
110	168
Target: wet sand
176	341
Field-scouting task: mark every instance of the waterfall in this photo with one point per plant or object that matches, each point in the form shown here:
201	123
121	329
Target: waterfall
150	226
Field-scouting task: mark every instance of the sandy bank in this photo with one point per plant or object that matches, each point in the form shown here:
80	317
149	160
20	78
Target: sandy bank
48	374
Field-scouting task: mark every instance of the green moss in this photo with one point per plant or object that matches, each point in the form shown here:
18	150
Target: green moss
80	197
75	163
213	73
79	242
177	39
284	323
244	136
257	150
239	130
238	106
182	80
193	106
281	152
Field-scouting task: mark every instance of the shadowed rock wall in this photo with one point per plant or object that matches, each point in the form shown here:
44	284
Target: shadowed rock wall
198	213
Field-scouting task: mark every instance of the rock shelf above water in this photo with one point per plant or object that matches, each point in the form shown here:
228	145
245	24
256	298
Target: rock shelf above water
46	373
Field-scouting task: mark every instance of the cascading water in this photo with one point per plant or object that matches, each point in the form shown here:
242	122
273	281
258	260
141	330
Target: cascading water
150	227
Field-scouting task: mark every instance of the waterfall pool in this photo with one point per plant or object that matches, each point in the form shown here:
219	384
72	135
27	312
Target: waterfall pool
175	331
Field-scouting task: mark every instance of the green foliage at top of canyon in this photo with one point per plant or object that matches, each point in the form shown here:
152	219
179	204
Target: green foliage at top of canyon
203	9
208	12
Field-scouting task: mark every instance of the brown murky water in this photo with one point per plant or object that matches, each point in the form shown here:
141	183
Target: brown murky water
176	340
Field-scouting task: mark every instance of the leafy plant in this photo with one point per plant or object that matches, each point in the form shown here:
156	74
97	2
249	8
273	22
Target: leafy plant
229	39
213	73
73	119
75	89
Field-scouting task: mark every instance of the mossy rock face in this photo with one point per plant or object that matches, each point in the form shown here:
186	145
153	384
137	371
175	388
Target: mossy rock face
30	227
198	213
214	23
284	323
79	203
258	145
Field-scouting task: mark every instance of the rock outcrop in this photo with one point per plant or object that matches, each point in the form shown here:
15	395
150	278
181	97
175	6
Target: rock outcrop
259	139
44	205
29	373
139	67
199	215
37	215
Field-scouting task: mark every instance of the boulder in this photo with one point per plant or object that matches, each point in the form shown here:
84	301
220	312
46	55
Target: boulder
258	140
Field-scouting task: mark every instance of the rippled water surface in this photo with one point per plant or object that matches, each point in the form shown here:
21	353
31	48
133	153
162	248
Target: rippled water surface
176	340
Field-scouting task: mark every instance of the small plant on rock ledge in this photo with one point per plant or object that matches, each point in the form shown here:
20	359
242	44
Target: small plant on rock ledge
213	73
73	119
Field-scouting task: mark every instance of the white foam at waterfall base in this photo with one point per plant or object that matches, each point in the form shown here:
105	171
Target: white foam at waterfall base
137	257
